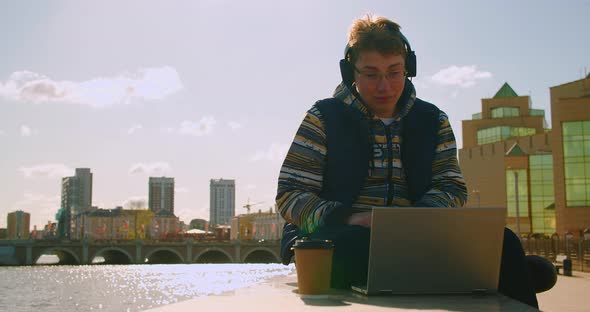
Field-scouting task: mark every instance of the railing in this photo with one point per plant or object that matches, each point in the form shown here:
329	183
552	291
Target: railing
578	250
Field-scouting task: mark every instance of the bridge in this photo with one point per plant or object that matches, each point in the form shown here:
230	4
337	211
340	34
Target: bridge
28	252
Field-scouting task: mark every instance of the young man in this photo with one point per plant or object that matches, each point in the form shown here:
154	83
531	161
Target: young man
374	144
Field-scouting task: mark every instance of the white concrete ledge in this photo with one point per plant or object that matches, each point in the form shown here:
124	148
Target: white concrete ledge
280	294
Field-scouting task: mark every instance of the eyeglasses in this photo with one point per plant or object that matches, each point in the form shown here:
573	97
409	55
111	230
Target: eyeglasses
374	77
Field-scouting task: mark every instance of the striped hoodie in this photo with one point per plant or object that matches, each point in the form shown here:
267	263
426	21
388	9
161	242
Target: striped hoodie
301	176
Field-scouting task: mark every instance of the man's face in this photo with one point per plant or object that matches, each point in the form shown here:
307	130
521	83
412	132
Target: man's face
380	81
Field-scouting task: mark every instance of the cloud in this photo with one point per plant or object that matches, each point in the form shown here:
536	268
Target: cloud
199	128
26	131
181	190
134	129
135	202
2	133
151	169
47	170
185	215
251	186
420	84
464	76
276	152
147	84
41	207
234	125
198	210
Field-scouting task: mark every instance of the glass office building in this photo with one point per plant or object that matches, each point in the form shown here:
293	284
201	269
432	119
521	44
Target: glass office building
511	158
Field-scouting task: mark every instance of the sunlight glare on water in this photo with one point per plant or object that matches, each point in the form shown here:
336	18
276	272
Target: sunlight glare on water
123	287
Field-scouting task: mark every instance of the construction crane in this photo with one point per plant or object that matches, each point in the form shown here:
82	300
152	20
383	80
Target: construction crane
249	205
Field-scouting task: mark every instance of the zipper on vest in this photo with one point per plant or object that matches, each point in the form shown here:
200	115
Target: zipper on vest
389	165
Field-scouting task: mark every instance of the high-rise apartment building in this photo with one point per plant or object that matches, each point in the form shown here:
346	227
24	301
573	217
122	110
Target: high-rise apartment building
18	225
84	188
76	191
161	194
76	198
222	201
510	158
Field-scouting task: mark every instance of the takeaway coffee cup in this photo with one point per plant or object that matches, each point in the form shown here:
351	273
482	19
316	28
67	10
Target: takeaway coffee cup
313	260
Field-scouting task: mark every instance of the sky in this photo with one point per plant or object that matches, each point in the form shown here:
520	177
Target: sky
200	90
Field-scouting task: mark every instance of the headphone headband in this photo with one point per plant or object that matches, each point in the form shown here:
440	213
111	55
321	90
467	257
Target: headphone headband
402	37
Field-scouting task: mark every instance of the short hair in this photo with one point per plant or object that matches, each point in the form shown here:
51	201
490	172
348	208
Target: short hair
375	33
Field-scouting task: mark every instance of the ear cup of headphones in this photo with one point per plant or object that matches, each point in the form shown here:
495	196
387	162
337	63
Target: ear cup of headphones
411	64
347	72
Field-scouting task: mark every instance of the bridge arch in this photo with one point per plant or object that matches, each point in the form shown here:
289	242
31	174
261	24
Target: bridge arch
261	255
165	249
113	258
65	255
215	256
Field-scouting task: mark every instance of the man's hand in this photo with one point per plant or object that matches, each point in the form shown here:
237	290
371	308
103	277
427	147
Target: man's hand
362	219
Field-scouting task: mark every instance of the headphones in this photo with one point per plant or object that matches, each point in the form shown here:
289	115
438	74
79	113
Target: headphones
347	69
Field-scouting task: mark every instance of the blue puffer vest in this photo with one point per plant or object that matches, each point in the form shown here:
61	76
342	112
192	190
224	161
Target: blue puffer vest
350	151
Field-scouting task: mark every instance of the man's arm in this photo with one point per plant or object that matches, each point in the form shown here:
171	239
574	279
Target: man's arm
448	186
301	179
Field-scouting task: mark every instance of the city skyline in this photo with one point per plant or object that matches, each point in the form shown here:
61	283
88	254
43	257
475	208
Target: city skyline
202	90
72	197
163	187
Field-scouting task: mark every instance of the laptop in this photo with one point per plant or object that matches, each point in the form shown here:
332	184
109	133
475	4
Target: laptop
434	251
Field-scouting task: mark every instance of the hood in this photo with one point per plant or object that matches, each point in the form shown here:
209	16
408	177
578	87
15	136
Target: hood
406	100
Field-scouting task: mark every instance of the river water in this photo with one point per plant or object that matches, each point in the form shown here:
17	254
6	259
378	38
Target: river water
123	287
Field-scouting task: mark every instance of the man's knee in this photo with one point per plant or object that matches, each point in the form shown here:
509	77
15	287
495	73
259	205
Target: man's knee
511	241
542	273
